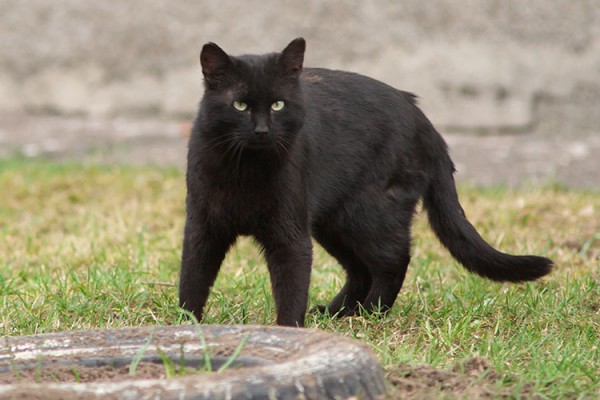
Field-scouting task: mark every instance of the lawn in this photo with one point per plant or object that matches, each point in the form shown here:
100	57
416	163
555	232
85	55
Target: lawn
86	247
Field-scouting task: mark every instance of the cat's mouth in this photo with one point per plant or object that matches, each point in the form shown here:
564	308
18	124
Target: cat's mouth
258	144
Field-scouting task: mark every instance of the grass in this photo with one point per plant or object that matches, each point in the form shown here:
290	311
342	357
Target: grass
85	247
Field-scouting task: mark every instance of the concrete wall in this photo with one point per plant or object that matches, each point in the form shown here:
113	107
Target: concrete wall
478	66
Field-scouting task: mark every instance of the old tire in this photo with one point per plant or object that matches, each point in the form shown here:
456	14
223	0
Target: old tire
280	363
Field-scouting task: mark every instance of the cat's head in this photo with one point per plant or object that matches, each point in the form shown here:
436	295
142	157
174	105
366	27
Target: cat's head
252	103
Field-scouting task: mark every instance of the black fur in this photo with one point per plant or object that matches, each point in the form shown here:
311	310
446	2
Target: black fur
345	161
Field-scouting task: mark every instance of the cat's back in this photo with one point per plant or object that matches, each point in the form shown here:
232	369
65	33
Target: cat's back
358	109
336	86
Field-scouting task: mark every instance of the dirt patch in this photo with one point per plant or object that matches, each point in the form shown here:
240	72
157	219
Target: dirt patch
118	369
472	379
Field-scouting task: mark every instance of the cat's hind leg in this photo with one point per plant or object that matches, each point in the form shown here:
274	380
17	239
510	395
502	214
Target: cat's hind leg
388	277
379	224
358	280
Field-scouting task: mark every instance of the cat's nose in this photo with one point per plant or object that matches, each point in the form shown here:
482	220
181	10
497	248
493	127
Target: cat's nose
261	130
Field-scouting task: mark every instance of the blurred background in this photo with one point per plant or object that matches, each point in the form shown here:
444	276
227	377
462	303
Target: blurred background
513	86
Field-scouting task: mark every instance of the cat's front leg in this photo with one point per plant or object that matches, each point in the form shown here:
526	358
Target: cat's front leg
289	268
202	255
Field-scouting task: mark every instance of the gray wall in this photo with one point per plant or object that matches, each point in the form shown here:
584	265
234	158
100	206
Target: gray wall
478	66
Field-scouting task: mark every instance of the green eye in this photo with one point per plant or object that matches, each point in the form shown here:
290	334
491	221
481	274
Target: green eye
240	106
277	106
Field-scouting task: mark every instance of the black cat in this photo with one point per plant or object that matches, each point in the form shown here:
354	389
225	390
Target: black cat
284	153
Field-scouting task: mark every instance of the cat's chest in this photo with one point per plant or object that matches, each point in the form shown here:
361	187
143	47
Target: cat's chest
244	209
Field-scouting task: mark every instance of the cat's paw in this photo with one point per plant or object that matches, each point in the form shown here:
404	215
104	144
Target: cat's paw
319	309
326	311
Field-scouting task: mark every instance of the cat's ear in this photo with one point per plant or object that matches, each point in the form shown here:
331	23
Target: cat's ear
214	62
292	57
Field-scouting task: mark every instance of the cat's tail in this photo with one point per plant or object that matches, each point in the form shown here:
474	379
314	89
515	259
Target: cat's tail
456	233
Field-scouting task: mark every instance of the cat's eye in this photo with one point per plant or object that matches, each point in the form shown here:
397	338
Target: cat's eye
240	105
277	106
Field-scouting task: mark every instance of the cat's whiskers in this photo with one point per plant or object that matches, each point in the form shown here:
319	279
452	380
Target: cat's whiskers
216	142
230	151
283	143
278	147
281	149
239	148
233	142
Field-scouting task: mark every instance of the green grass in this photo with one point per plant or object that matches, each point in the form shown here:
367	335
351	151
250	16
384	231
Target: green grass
86	247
